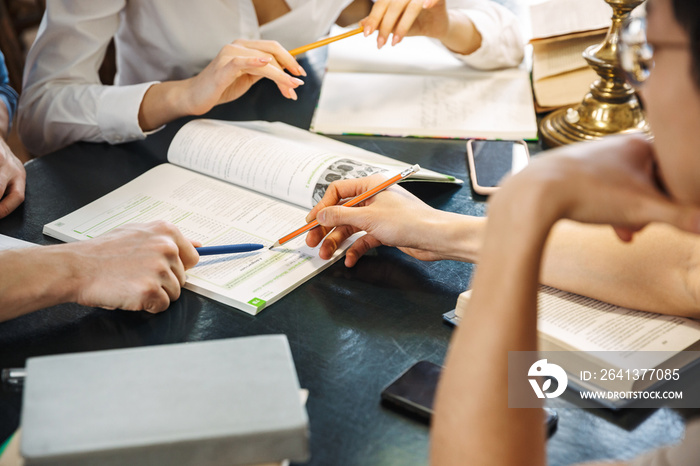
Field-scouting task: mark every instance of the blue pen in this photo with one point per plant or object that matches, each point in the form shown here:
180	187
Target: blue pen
228	249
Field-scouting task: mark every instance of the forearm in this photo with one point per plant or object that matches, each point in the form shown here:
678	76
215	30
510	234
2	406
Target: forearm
658	271
4	120
162	103
458	237
472	398
36	278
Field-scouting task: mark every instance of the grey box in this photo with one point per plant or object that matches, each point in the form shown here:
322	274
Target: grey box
222	402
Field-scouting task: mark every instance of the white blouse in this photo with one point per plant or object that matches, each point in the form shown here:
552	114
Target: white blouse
63	100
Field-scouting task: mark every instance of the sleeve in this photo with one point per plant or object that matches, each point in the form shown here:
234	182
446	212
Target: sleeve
685	453
7	94
63	100
502	43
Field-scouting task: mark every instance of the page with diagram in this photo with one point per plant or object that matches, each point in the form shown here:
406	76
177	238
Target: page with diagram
279	160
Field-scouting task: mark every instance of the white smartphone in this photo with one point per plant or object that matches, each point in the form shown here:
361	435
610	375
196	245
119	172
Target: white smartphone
490	160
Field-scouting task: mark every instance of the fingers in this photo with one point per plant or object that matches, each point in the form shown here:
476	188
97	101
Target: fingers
359	248
409	16
333	241
394	16
14	196
262	67
179	251
283	57
158	301
315	235
386	26
344	189
372	22
336	216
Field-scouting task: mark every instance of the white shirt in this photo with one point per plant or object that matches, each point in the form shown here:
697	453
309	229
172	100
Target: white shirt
63	100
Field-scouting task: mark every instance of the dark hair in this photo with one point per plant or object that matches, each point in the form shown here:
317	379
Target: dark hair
687	13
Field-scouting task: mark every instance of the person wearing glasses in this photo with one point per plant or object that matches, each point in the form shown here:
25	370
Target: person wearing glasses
620	218
180	58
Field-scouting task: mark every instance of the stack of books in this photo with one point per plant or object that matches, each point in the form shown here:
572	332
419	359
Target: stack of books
561	31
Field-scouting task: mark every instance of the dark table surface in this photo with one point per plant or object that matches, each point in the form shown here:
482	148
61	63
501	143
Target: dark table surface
351	331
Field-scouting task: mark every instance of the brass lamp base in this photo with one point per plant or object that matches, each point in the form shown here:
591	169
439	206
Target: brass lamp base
611	105
592	120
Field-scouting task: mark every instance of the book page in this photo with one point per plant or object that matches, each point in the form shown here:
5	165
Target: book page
556	17
630	338
586	324
564	89
301	136
413	55
553	58
488	105
8	242
282	168
215	213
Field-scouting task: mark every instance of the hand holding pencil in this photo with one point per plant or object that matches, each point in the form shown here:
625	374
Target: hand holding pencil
393	217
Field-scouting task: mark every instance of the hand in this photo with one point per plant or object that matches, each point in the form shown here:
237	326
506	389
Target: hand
237	67
12	180
393	217
611	182
228	76
135	267
406	18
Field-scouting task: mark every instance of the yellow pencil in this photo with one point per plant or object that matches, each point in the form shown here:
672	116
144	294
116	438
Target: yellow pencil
352	202
326	41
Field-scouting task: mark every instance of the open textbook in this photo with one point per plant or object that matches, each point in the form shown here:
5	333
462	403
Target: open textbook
419	88
229	183
589	333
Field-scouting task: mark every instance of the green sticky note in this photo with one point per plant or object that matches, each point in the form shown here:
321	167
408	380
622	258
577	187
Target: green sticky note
257	302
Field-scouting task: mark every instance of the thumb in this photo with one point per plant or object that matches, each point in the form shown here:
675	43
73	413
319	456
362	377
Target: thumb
338	215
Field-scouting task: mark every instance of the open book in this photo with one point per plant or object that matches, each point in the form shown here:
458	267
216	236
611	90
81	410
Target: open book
591	333
419	88
230	183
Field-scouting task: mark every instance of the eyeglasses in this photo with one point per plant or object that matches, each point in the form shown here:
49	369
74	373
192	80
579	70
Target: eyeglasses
635	53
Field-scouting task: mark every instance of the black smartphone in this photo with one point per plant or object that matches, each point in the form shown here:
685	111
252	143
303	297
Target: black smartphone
491	160
413	392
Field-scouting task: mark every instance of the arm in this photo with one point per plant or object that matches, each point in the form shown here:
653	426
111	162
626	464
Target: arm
64	101
480	32
658	271
232	72
132	268
12	174
611	183
586	259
